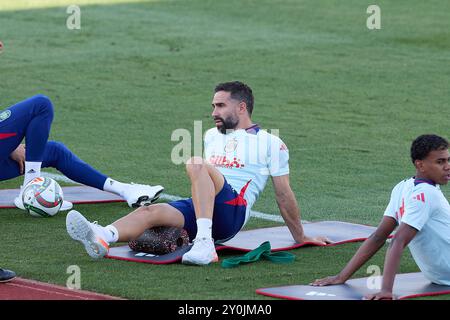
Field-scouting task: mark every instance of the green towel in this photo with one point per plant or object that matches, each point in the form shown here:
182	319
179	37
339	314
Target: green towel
262	251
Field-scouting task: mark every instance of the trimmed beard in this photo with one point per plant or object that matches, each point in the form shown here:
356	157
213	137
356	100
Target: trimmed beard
228	124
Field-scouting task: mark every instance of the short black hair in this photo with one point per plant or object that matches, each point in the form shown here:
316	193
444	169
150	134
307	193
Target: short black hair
238	91
426	143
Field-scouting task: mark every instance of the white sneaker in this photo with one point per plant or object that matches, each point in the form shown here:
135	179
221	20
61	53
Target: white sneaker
138	195
83	231
202	252
18	202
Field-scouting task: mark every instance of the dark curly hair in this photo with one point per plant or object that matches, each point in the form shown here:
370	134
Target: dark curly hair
238	91
426	143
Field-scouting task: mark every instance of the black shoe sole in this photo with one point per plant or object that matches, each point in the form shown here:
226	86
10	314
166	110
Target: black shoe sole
7	280
145	201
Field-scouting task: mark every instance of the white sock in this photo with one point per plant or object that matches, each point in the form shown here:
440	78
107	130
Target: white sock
204	228
113	234
115	186
108	233
32	170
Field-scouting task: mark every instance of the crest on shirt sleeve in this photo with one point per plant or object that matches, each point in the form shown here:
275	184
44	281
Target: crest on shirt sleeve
5	115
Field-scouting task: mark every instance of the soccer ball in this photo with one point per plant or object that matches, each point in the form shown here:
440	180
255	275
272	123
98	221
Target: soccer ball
42	197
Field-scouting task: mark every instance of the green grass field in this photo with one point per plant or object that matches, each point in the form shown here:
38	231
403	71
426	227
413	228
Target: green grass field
348	102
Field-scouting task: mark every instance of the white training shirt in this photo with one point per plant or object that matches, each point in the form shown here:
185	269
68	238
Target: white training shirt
244	155
425	208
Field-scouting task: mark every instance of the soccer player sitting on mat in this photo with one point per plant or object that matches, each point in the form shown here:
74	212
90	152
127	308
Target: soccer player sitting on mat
239	159
422	214
31	119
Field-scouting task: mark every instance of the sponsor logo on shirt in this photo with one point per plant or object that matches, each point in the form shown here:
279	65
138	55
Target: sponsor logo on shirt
223	161
420	197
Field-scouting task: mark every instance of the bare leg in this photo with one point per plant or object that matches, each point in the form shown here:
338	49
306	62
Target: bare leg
134	224
206	183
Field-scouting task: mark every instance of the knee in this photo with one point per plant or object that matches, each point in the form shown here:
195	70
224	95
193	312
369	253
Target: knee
194	165
44	104
56	145
58	149
148	213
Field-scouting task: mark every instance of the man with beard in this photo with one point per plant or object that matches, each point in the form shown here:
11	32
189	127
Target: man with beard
239	157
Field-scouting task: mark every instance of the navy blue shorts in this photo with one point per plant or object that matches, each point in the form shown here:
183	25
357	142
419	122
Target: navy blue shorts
228	216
